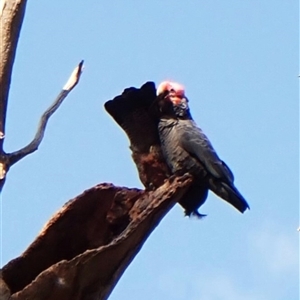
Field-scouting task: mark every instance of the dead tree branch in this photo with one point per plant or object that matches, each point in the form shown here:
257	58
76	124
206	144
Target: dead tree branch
84	249
34	144
11	19
8	159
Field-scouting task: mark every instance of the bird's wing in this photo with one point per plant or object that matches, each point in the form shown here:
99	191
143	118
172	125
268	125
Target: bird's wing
195	142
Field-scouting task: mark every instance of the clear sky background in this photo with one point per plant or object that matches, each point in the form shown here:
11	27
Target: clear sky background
239	63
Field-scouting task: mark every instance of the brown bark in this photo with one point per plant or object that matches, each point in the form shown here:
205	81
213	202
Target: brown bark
134	112
84	249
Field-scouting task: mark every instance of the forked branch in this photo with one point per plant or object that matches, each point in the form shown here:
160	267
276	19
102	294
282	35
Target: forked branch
11	19
8	159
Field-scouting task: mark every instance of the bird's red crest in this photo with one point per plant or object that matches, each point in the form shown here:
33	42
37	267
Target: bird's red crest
176	91
171	86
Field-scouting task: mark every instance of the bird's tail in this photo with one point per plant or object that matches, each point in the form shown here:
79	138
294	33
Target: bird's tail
230	194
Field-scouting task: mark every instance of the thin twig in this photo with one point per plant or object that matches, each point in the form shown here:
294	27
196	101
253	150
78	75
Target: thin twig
33	146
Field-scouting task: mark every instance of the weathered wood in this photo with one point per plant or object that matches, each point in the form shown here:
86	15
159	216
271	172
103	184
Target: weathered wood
134	112
11	19
84	249
9	159
34	144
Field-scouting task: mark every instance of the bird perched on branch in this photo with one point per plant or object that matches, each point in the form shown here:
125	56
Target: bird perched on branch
187	149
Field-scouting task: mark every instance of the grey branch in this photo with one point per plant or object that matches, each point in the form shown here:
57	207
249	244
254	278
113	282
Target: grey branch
11	19
33	146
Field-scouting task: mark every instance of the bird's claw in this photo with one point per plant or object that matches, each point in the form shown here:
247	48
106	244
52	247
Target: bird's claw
195	214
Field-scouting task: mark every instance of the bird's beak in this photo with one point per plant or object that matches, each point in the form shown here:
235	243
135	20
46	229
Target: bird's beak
177	99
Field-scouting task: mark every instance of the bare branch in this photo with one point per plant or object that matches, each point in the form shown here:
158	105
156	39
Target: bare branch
33	146
74	78
11	18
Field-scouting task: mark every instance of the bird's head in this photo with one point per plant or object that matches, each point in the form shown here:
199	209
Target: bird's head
174	93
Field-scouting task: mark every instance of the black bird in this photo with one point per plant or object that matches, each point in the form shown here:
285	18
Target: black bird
187	149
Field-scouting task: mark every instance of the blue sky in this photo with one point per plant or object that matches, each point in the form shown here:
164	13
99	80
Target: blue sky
239	63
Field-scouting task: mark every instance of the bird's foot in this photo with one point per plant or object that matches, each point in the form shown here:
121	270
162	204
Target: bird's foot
195	213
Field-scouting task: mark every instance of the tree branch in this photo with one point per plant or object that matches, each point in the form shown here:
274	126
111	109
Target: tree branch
82	252
33	146
11	18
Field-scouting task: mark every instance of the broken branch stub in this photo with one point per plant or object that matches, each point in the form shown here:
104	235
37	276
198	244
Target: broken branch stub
134	112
